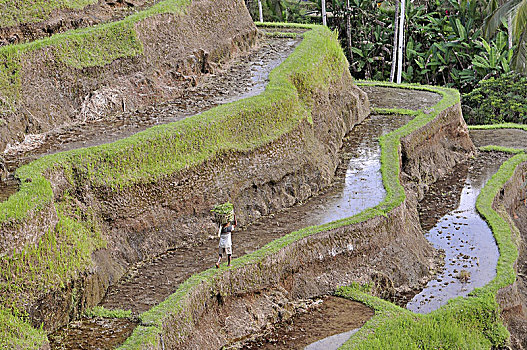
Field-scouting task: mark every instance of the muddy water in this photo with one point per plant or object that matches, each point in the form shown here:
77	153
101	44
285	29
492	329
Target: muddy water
388	97
97	333
470	251
245	76
513	138
326	318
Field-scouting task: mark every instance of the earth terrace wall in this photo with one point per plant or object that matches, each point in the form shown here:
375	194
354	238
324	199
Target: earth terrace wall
469	322
96	72
308	106
512	299
310	261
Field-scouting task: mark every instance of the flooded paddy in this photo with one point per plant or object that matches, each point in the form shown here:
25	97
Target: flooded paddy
512	138
389	97
449	212
358	186
321	324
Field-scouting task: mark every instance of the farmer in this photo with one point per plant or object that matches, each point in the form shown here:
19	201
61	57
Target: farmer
225	245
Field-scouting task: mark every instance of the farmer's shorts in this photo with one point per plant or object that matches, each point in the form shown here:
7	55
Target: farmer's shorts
226	250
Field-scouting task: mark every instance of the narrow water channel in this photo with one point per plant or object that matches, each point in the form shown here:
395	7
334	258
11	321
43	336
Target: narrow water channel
469	247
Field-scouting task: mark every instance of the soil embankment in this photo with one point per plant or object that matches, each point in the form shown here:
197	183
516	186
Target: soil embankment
146	219
146	58
511	203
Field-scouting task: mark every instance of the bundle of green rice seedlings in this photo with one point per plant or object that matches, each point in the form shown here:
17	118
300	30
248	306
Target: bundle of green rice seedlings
223	213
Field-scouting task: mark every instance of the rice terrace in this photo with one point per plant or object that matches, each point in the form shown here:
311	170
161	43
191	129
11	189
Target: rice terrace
263	174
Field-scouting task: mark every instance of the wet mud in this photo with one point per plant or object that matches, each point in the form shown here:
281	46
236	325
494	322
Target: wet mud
7	188
388	97
448	212
314	326
95	333
358	185
243	77
512	138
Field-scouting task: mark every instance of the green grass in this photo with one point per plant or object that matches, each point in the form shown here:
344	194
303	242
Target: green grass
18	334
163	150
498	126
101	311
492	148
31	11
285	25
86	47
151	155
61	254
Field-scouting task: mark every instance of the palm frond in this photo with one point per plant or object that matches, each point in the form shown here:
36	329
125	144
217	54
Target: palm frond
519	60
493	21
519	23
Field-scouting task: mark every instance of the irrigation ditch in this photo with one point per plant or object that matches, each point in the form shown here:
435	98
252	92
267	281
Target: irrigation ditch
305	166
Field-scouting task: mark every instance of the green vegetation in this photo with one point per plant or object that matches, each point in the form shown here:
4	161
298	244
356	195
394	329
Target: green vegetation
61	254
497	100
468	323
86	47
492	148
498	126
31	11
18	334
101	311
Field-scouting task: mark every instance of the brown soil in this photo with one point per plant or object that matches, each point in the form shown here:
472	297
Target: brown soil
151	282
178	50
62	20
96	333
323	318
516	318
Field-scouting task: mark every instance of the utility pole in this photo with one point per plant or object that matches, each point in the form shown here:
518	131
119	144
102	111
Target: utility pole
401	36
324	20
394	51
348	29
260	10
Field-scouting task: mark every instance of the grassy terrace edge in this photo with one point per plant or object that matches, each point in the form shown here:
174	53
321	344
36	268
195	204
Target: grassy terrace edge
498	126
84	47
31	11
148	333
